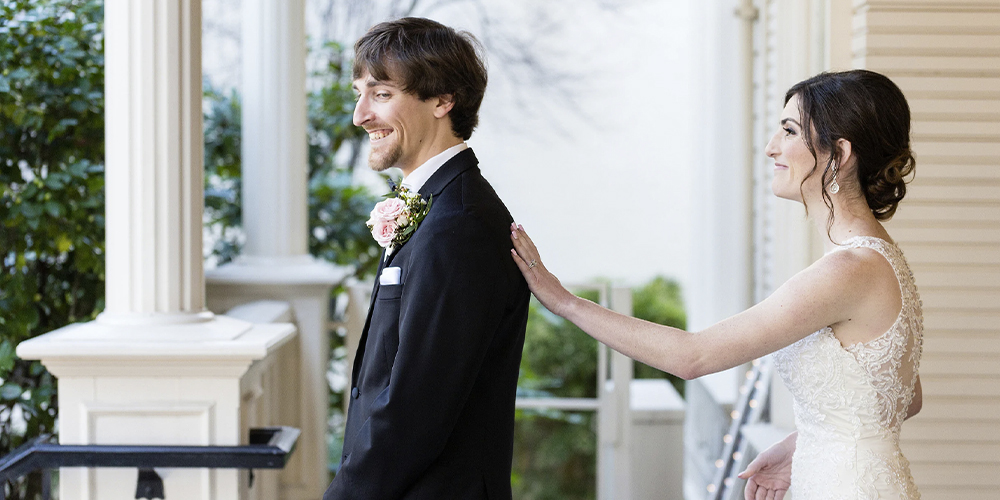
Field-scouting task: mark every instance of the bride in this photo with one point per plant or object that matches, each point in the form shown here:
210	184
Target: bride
845	332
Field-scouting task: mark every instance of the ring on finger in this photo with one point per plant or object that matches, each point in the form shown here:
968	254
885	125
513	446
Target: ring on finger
532	264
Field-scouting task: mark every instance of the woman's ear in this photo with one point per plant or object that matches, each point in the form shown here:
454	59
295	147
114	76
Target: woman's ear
847	159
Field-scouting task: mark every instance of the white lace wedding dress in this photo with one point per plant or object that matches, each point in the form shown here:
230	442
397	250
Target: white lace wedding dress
850	401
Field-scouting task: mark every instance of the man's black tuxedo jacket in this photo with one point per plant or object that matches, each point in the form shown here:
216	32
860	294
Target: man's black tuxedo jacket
431	413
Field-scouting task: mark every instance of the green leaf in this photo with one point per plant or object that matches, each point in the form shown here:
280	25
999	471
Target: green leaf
19	74
7	356
10	391
63	243
31	210
54	209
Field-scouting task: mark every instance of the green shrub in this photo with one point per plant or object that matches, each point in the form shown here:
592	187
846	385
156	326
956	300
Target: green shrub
52	199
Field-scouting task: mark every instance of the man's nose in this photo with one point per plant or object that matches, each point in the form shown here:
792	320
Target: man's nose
362	112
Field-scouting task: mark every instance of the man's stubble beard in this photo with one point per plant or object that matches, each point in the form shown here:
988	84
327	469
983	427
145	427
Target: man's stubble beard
381	162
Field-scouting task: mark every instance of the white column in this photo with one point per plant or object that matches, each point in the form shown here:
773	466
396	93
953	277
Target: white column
156	368
614	458
275	264
274	129
722	281
153	162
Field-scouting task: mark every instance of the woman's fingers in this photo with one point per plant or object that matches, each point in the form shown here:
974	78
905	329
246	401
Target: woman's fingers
528	244
524	247
752	468
517	260
779	494
762	493
750	492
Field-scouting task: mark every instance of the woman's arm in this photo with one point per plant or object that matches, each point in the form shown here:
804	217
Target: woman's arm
821	295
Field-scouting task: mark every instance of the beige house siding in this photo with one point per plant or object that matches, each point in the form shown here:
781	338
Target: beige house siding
946	58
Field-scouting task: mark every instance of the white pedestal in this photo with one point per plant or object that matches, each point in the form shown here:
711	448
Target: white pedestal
305	284
657	440
182	384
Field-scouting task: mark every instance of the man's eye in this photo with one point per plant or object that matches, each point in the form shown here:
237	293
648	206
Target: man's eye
382	95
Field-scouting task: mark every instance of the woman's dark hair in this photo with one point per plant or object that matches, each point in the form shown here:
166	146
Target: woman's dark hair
869	111
427	59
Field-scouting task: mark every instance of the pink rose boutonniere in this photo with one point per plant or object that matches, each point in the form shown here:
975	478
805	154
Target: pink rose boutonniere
394	219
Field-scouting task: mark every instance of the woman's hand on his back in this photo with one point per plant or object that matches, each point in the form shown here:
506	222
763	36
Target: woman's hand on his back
541	282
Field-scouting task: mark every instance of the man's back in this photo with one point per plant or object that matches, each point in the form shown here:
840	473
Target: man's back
432	415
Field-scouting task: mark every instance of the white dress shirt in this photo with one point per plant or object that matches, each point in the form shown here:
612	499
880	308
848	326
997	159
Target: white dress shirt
419	175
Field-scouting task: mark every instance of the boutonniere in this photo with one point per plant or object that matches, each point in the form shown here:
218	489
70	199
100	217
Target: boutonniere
394	219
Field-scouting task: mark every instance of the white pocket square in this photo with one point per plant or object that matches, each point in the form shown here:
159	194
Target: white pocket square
389	276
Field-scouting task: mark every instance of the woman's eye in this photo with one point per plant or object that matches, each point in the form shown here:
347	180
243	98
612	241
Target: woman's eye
789	131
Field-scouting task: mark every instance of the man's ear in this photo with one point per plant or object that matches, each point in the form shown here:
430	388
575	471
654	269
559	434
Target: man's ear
444	104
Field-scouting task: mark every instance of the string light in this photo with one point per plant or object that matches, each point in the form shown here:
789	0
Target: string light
728	438
720	463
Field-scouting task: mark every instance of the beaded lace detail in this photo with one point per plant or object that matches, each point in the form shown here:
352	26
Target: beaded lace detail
851	401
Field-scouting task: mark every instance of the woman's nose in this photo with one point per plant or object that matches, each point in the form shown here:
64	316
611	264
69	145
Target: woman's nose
772	148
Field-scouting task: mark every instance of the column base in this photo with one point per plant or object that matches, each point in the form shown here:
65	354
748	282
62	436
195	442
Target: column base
186	384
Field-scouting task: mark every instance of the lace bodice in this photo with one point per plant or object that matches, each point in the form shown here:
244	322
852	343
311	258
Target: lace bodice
851	401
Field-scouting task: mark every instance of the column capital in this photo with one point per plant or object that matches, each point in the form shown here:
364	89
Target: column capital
225	347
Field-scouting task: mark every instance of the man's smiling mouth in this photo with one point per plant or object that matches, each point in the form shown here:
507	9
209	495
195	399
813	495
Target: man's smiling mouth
376	135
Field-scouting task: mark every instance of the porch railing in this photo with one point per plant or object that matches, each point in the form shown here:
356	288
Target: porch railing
269	448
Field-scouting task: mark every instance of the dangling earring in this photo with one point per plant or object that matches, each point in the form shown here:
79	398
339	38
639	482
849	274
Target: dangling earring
834	187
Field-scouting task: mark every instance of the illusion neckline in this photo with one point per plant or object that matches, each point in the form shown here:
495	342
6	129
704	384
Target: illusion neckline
846	243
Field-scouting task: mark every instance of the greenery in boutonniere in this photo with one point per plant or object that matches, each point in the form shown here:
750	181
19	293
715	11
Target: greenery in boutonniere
394	219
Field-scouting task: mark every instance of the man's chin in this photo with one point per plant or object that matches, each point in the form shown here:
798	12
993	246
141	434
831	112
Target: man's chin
381	163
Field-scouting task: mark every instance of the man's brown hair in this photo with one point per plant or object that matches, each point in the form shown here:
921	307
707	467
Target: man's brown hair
427	59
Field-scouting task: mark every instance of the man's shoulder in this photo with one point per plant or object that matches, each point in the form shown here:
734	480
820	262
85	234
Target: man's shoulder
467	209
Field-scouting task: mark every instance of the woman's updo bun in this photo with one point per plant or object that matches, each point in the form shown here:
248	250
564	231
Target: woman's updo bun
868	110
885	188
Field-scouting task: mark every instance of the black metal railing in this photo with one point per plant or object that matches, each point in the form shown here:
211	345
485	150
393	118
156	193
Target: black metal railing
268	448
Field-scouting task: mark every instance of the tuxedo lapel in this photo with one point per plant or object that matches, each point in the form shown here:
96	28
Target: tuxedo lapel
451	169
368	320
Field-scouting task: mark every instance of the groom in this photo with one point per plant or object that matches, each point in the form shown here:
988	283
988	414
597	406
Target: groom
431	412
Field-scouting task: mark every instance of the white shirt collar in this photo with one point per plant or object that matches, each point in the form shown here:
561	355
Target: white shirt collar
419	175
